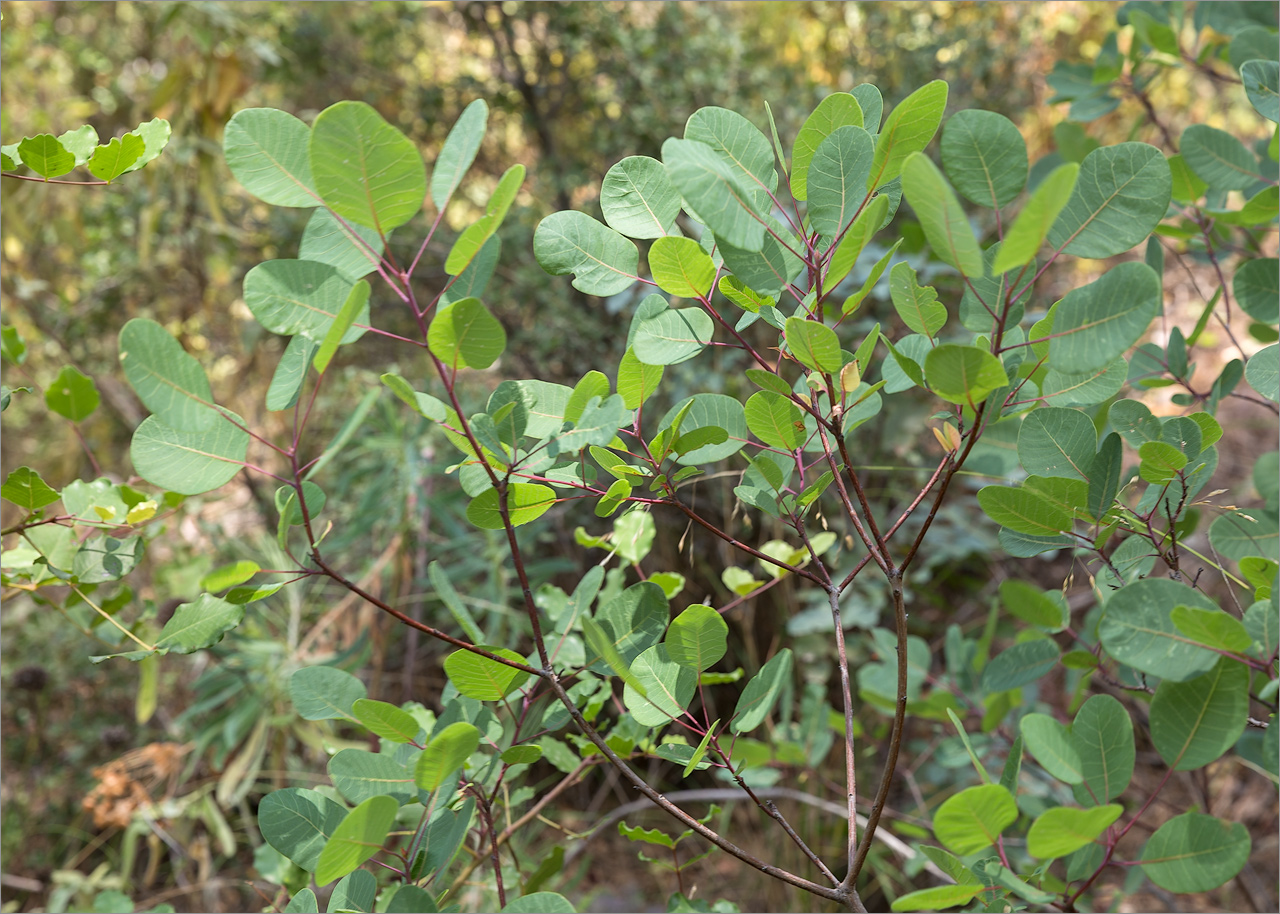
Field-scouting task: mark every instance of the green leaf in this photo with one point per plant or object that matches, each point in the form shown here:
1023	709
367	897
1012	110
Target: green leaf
601	643
1057	442
188	462
837	179
290	373
984	156
1023	510
917	305
761	693
771	268
603	261
364	169
697	638
299	297
1034	606
633	621
1262	371
539	903
1102	734
1094	324
1027	234
105	558
357	302
411	899
1088	389
637	381
963	374
155	135
1051	744
458	152
479	677
681	267
522	755
1194	722
359	775
974	818
26	489
386	720
910	128
472	242
15	350
1136	630
1019	665
937	898
466	335
358	837
45	155
638	199
704	411
815	345
840	109
736	141
1218	158
297	822
1262	84
1256	285
446	753
325	693
597	425
1212	628
1263	624
945	224
1195	853
1062	830
227	576
72	395
775	420
1119	197
169	382
198	625
113	159
266	150
353	251
714	188
666	687
81	142
695	760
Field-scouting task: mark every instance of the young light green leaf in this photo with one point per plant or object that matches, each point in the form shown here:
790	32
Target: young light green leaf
984	156
938	898
697	638
1119	197
113	159
1102	734
1024	237
1196	853
837	179
839	109
266	150
155	135
45	155
1194	722
366	170
1062	830
446	753
1051	744
479	677
72	395
974	818
26	489
910	128
775	420
357	302
80	142
917	305
814	344
466	335
1023	510
1033	606
602	644
681	267
638	199
945	224
386	720
458	152
227	576
358	837
709	410
472	242
637	380
188	462
761	693
698	753
526	502
1212	628
603	261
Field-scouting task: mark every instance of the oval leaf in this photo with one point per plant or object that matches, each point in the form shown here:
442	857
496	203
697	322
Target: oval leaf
479	677
974	818
446	753
359	836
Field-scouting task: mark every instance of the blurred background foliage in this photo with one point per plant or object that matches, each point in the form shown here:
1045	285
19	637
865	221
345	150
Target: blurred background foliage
572	87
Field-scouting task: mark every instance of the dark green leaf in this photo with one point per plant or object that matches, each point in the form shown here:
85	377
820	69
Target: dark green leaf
1094	324
1102	734
761	693
297	822
837	179
1019	665
1194	722
1137	631
1195	853
985	157
1119	198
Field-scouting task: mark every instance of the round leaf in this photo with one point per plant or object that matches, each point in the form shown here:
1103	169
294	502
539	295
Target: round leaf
1218	158
72	395
1057	442
366	170
963	374
984	156
526	502
775	420
814	344
1136	630
1093	325
479	677
169	381
1063	830
709	411
297	822
1194	722
603	261
1120	196
974	818
720	192
697	638
673	336
195	626
360	775
466	335
681	267
266	150
353	251
446	753
300	297
1262	371
638	199
1257	288
667	687
1051	744
1195	853
188	462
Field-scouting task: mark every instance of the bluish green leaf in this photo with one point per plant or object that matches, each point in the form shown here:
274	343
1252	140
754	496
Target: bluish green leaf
1218	158
1256	285
458	152
299	297
1093	325
737	141
1262	371
1194	852
266	150
1057	442
539	903
360	775
1023	510
1212	628
168	381
840	109
714	188
155	135
1194	722
761	693
325	693
709	410
353	251
297	822
638	199
1261	82
1088	389
837	179
290	373
1102	734
1136	630
984	156
106	558
603	261
1018	665
81	142
366	170
1120	196
188	462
